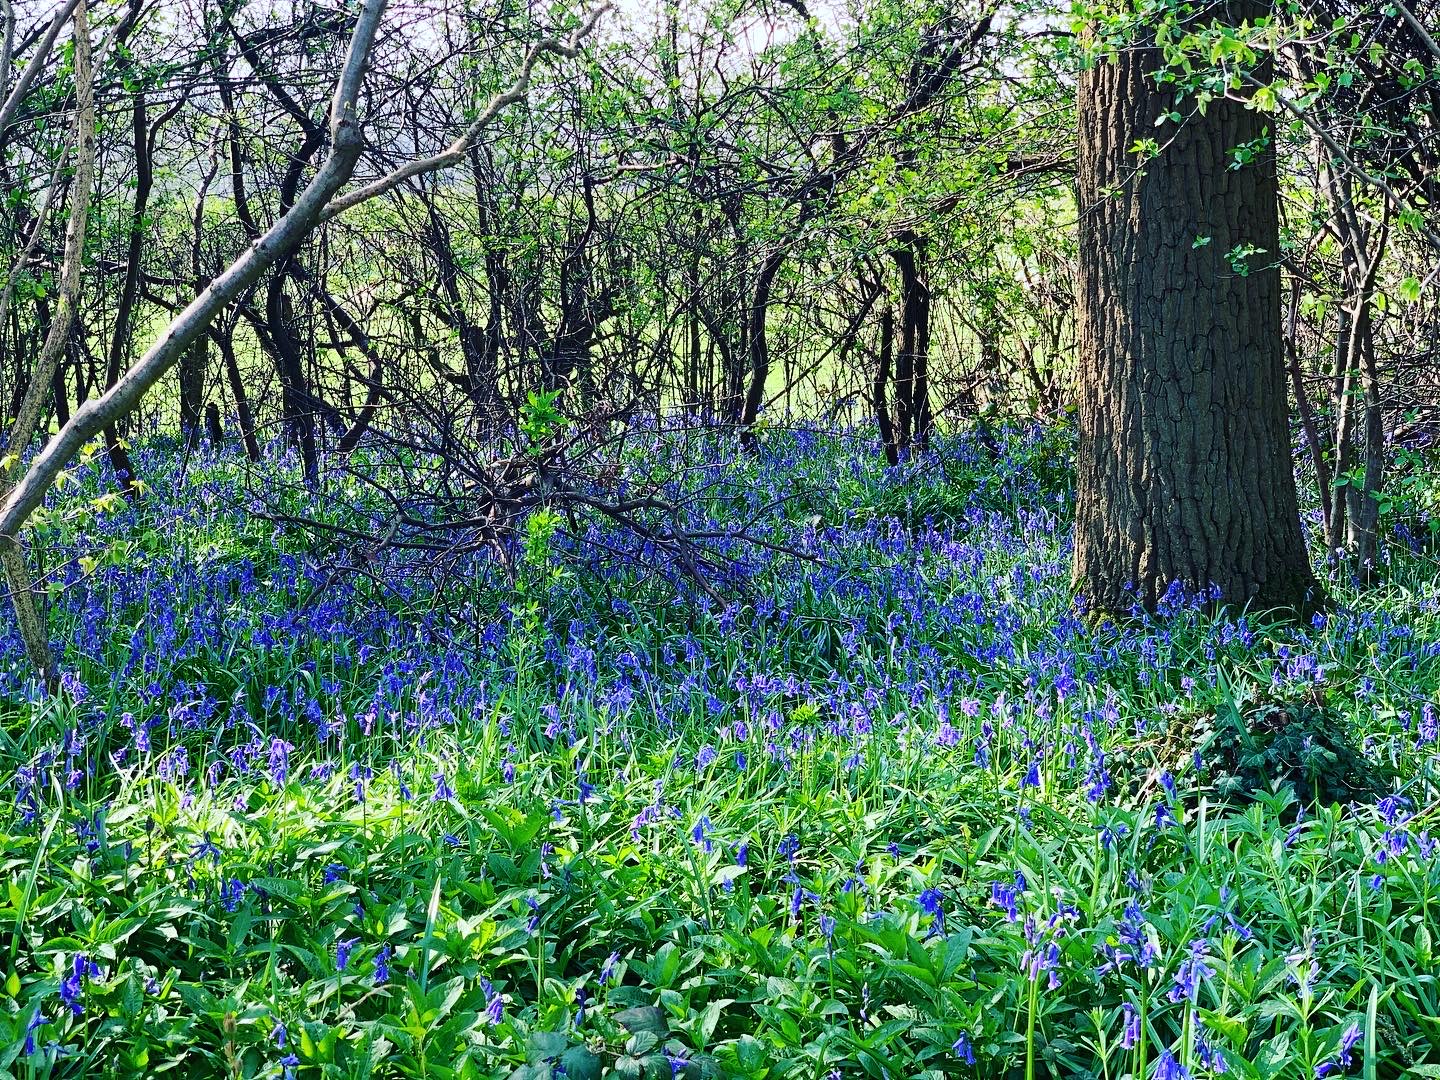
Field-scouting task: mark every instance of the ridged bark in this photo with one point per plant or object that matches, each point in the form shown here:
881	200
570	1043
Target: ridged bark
1184	462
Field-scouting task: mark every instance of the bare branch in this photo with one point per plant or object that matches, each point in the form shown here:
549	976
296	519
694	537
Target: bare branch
346	143
37	62
456	151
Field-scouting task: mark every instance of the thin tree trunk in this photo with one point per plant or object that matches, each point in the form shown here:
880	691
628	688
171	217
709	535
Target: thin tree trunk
29	611
1307	412
877	393
759	347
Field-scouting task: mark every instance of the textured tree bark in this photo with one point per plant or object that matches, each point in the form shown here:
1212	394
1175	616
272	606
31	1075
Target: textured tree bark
29	608
1184	463
142	136
194	363
877	391
226	344
213	429
759	348
912	368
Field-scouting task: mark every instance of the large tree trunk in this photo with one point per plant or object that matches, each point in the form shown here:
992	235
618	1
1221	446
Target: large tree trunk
1184	463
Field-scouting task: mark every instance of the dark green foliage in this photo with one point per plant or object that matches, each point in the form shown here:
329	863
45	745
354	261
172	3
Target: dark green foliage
1302	745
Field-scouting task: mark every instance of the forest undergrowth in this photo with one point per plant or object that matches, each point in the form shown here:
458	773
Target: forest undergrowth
888	805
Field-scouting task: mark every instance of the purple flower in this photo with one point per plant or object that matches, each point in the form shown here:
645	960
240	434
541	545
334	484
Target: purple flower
343	948
494	1011
1130	1032
1392	809
700	834
443	791
607	972
82	970
382	964
231	893
1005	896
931	902
206	849
1343	1058
37	1020
1209	1056
1167	1068
279	760
964	1049
1193	970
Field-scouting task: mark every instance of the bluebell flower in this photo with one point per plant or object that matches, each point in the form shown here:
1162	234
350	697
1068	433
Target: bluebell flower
1209	1056
1005	896
231	893
443	791
700	834
279	760
343	948
931	902
1130	1026
1343	1058
82	970
206	850
1167	1068
494	1011
607	971
964	1049
1193	971
37	1020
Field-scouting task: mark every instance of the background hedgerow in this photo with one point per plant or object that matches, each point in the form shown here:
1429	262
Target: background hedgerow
893	808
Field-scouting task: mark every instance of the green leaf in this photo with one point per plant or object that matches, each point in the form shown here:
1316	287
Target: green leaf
581	1063
545	1045
649	1018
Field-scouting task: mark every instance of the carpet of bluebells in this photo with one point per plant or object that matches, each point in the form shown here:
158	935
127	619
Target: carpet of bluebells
887	804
